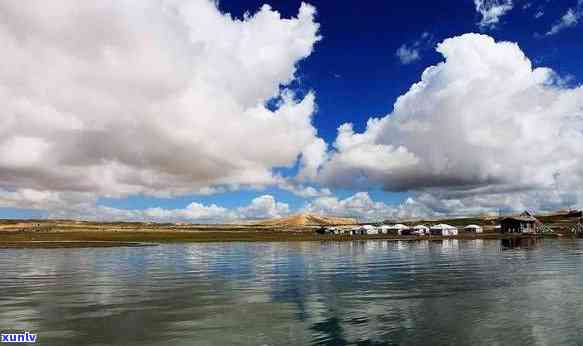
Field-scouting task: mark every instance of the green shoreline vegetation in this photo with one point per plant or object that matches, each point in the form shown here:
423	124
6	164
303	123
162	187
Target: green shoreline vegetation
105	238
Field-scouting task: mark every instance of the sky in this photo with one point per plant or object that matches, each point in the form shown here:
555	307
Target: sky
204	112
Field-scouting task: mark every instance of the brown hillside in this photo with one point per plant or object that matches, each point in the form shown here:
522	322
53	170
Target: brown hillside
307	220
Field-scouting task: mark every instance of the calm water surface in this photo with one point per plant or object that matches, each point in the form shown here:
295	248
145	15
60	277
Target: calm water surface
305	293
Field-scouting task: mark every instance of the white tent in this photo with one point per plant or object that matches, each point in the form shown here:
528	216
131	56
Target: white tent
369	229
443	229
362	230
346	231
420	230
474	228
400	228
332	230
384	229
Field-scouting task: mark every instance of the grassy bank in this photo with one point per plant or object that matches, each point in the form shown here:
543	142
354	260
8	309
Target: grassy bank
89	238
57	244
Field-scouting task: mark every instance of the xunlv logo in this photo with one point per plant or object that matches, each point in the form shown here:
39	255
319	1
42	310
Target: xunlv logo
19	337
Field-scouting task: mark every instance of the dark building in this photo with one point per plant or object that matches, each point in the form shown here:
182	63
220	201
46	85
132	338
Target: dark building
524	223
575	213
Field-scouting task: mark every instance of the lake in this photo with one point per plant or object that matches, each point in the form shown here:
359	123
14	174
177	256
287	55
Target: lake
478	292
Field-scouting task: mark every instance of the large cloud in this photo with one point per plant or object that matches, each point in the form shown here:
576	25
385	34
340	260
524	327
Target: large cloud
483	122
163	98
85	206
157	97
362	207
436	204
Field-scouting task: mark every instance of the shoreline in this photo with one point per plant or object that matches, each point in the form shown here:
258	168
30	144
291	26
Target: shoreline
67	244
125	238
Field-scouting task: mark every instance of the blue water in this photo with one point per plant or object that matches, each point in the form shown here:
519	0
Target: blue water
450	292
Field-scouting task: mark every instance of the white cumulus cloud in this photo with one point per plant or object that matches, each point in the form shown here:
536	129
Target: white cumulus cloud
304	191
410	52
407	55
261	207
482	122
362	207
491	11
85	206
264	207
114	98
570	19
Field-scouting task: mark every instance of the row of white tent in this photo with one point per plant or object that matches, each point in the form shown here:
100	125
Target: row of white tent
400	229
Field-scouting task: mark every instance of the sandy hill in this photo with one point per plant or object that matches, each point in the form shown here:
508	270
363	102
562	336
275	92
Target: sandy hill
306	220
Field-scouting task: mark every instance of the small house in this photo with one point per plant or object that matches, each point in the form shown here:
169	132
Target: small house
443	230
474	229
575	213
523	223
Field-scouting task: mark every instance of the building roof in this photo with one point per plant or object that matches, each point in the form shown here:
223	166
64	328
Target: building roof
421	227
521	218
399	226
442	226
526	216
473	226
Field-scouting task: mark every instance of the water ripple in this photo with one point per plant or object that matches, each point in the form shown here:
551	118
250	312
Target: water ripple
328	293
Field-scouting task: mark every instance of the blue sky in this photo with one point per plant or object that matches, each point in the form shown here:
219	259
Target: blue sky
355	74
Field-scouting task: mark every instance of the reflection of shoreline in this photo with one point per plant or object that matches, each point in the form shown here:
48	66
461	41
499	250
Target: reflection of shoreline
329	293
521	243
129	238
